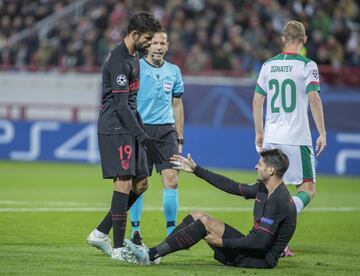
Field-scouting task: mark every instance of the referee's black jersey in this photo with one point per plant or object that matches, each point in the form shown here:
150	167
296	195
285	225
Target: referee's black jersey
274	220
120	81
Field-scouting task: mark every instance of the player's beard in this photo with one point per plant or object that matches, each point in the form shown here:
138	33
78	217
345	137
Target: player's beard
141	47
262	177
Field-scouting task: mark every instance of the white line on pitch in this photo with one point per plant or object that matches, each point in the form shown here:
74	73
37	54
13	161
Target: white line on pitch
151	209
49	203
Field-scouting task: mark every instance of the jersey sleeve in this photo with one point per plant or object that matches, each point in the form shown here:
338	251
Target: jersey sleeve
226	184
179	84
261	82
119	74
312	79
249	190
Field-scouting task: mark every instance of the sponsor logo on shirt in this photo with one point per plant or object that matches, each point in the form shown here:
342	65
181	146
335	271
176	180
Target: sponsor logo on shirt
134	85
267	220
121	80
168	85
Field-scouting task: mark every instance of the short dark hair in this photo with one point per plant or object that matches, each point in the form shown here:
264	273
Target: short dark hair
162	30
276	159
143	22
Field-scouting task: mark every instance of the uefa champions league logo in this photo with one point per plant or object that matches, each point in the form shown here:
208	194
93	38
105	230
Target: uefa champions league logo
121	80
316	74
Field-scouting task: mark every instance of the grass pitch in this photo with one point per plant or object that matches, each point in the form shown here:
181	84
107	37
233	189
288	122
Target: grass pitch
47	211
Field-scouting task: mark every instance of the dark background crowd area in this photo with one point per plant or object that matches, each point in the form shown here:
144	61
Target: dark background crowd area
204	35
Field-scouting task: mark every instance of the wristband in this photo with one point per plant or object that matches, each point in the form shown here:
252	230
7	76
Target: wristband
181	141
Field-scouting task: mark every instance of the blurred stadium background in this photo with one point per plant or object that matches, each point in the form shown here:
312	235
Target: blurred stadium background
50	61
52	51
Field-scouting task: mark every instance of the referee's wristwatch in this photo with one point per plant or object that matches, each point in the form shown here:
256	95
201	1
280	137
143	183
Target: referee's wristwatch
181	141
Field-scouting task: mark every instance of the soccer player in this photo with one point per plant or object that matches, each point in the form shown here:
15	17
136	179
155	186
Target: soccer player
274	218
122	140
290	81
161	108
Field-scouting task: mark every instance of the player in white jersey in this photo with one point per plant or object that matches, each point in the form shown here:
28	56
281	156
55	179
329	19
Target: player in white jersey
290	82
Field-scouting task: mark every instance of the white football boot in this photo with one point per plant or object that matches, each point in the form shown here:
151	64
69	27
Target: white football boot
103	243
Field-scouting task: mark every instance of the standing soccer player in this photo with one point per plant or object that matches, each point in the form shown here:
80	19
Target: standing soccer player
122	140
290	81
161	108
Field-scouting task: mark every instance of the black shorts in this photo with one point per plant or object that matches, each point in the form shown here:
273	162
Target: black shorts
168	134
228	256
122	155
238	257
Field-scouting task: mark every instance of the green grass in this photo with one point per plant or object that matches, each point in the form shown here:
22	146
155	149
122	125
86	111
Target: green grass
53	242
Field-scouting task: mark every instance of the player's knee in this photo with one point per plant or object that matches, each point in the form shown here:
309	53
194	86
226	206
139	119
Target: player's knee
143	187
197	214
170	179
312	191
171	185
309	188
205	219
122	185
140	186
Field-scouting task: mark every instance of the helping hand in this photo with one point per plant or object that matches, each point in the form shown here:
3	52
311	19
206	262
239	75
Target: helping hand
182	163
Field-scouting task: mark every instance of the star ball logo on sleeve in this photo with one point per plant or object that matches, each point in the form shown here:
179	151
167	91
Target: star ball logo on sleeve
316	74
121	80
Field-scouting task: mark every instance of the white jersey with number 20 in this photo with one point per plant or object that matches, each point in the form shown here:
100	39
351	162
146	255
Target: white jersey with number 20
285	80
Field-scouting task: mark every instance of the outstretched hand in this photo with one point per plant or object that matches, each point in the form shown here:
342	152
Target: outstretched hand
182	163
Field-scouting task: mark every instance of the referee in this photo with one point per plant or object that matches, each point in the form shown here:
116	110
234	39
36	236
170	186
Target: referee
274	218
160	105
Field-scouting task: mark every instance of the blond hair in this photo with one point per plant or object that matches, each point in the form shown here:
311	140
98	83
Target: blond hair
294	31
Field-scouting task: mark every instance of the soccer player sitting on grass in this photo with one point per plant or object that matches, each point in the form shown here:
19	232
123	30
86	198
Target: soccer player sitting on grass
274	218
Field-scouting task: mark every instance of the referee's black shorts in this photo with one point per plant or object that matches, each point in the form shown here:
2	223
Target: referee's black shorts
237	257
169	147
122	155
